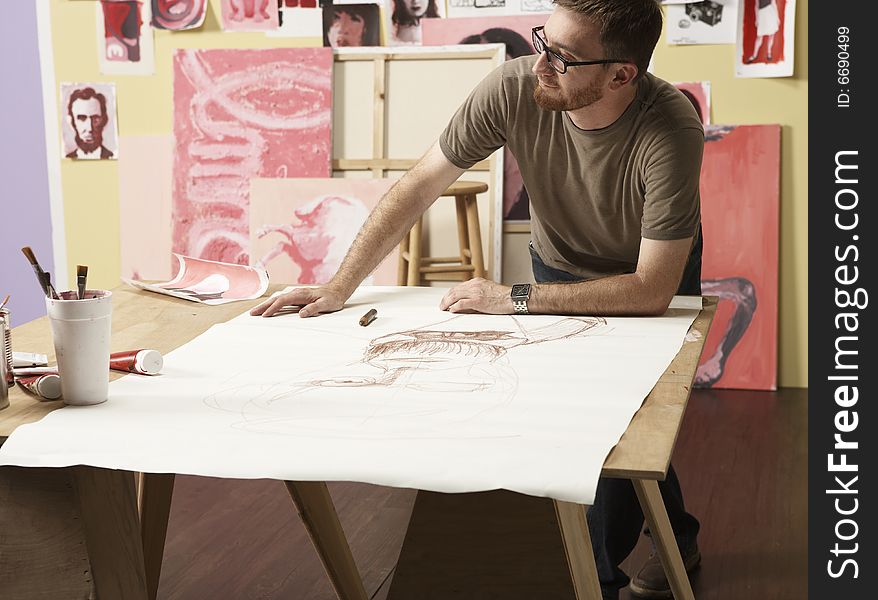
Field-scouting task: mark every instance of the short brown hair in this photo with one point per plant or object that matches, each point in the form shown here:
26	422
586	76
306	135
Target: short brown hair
87	94
629	29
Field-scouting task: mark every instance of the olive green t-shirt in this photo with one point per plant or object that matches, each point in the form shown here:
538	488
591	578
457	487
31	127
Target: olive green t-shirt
593	194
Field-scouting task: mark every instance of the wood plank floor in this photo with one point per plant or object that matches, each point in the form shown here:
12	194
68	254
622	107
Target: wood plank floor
741	458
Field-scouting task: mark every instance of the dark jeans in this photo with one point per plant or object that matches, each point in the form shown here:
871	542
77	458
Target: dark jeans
615	519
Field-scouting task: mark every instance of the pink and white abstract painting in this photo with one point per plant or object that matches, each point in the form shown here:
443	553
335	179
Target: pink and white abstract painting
240	114
301	229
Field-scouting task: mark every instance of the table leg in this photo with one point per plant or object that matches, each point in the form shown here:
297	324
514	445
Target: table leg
112	533
577	547
317	512
156	490
657	519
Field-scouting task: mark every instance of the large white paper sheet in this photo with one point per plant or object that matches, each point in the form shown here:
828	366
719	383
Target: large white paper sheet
420	398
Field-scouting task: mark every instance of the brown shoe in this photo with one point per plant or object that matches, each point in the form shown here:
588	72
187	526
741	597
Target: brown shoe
651	581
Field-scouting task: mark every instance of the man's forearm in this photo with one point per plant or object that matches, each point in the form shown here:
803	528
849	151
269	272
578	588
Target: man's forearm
618	295
393	217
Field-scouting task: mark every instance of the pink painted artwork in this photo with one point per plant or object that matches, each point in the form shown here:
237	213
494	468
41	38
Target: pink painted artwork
250	15
240	114
404	19
698	93
145	164
125	39
301	229
515	33
89	129
209	282
178	15
740	206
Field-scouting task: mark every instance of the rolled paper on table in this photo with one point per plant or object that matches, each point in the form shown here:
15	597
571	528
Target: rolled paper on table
143	362
46	386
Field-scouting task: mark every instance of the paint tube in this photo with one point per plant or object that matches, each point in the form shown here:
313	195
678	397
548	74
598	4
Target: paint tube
143	362
46	386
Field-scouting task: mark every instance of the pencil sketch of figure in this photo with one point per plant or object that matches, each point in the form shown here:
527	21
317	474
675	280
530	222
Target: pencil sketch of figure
89	114
319	238
443	372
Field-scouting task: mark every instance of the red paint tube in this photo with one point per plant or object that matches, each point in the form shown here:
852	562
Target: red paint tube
143	362
46	386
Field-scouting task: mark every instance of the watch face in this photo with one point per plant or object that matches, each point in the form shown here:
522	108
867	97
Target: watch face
521	290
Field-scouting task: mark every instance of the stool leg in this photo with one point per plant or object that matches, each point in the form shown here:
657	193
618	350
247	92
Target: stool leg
475	236
402	267
462	233
415	253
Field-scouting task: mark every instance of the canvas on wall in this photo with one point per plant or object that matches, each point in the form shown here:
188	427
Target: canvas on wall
178	15
301	229
515	33
125	40
404	19
766	32
240	114
698	93
249	15
88	121
740	205
351	25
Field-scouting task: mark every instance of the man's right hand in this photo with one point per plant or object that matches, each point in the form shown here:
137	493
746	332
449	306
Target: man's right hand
313	302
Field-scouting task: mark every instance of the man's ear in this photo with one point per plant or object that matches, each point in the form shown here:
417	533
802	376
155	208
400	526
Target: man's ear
623	74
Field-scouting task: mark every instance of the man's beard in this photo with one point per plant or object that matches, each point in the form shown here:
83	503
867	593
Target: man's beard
89	147
580	99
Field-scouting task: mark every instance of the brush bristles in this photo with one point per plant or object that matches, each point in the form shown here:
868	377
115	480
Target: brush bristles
81	270
30	255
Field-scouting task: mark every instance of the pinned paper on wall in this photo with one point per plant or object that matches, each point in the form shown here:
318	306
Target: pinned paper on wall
178	15
708	22
298	19
698	93
125	39
209	282
89	130
740	214
515	33
421	398
766	35
249	15
301	229
240	114
351	25
145	163
404	20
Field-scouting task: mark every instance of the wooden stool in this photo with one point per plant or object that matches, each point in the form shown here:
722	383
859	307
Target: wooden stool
412	265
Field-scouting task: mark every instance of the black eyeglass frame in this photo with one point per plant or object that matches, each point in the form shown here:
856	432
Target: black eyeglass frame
541	41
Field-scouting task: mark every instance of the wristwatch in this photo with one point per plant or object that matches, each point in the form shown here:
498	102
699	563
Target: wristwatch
520	295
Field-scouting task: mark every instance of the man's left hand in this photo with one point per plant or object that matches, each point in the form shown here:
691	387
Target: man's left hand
478	295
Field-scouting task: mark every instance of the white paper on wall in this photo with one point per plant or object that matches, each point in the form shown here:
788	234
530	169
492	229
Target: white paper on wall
420	398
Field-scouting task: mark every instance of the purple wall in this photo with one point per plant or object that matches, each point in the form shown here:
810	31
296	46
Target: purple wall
24	188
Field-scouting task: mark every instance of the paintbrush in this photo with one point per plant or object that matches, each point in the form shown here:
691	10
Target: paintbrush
41	278
5	300
81	274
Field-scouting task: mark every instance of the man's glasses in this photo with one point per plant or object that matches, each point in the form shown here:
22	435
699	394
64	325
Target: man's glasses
559	63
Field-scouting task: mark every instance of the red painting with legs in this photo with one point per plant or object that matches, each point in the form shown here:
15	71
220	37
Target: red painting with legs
740	200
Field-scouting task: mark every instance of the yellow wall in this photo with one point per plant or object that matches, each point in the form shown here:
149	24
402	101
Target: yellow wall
782	100
90	190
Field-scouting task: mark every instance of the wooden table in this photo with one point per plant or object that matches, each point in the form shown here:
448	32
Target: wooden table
124	519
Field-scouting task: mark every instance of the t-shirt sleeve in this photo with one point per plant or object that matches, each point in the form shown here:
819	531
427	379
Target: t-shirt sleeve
672	203
478	128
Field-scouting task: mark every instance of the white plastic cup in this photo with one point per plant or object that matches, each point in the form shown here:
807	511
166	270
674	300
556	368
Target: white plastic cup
81	333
